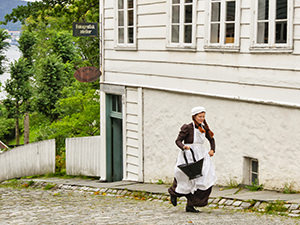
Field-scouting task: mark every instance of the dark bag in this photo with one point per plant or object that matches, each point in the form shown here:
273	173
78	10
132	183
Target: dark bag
194	169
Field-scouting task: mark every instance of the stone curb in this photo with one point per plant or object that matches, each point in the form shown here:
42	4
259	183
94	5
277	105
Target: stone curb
287	209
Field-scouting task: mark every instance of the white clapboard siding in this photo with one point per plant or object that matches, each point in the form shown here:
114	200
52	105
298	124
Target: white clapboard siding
133	157
28	160
244	67
83	156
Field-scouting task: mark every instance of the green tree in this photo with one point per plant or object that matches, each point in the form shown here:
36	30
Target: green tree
53	15
26	45
50	80
3	46
18	92
7	125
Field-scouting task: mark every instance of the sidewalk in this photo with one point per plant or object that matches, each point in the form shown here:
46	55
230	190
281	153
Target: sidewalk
220	198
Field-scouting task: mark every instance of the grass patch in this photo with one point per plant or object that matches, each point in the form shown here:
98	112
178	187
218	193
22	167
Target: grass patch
289	188
275	207
255	186
160	182
13	183
49	186
232	184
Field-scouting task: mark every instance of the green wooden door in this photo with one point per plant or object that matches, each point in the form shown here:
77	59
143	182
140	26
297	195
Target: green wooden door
114	140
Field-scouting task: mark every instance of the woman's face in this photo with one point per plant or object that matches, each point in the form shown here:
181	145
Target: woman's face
200	117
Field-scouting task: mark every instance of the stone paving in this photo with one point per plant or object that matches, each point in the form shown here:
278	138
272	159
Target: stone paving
83	205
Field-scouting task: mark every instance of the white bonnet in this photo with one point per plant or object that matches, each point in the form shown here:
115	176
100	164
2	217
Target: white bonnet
197	110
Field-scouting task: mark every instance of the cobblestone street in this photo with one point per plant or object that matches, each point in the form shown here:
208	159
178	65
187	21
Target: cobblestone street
38	206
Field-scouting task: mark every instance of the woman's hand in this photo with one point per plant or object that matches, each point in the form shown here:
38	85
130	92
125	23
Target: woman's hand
186	147
211	153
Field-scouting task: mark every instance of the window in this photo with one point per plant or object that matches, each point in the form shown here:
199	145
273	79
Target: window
250	171
126	23
272	24
223	25
254	171
182	23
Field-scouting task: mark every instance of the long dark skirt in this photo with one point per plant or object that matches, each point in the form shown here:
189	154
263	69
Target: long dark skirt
199	198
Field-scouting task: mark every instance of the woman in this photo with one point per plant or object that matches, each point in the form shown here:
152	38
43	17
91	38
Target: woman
193	135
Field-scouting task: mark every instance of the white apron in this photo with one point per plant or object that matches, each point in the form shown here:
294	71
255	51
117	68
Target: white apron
186	186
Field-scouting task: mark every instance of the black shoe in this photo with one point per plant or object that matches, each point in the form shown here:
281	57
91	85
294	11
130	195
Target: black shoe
173	200
191	209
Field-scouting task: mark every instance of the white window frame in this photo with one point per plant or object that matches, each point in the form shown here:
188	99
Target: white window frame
253	172
222	46
125	45
272	46
181	45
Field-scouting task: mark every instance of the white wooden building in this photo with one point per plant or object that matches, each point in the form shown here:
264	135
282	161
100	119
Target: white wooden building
240	59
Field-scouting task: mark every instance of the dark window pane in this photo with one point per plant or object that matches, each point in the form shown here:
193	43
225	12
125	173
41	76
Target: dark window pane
119	103
114	103
254	179
175	14
121	18
176	1
230	11
121	35
229	33
281	9
121	4
130	17
263	9
175	33
188	34
215	11
130	35
254	166
281	32
130	4
215	33
262	33
188	1
188	17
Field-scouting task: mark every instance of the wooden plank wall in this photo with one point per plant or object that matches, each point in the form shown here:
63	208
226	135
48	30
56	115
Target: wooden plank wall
133	138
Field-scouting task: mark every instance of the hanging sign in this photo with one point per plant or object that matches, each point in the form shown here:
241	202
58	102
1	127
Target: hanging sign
85	29
87	74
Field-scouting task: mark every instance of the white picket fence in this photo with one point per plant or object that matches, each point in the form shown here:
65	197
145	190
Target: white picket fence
31	159
83	156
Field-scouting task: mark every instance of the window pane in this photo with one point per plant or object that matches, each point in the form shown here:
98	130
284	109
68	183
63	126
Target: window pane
175	14
121	18
114	103
254	166
215	11
230	11
263	9
188	17
130	35
175	33
121	35
188	34
176	1
121	4
262	33
130	4
229	33
254	178
130	17
214	33
281	9
119	103
188	1
281	32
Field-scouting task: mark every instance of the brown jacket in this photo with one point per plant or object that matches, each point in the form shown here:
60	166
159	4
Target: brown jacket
186	135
